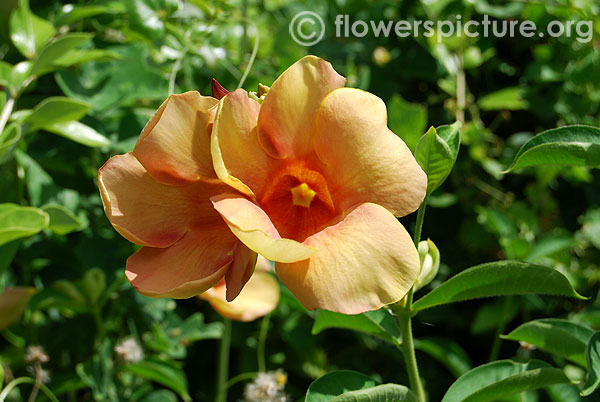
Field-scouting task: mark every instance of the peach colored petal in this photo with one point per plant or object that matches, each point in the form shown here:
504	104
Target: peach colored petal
240	271
148	213
258	298
287	116
174	146
187	268
364	160
13	302
252	226
364	262
238	158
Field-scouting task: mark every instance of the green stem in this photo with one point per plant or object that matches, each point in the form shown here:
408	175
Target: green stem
223	368
404	315
410	359
26	380
6	112
420	218
240	377
262	339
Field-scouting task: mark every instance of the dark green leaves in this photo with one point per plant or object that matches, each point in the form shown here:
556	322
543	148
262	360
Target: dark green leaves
436	153
592	355
501	278
561	337
501	379
352	386
566	146
163	373
379	323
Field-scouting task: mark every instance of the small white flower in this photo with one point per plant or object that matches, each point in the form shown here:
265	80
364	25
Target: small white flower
129	350
266	387
36	353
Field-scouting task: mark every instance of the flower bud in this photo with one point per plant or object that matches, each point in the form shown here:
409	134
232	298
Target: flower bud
218	91
430	263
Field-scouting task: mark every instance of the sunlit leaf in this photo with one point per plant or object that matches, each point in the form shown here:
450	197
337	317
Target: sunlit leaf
336	383
380	393
56	49
501	278
502	378
435	156
17	222
28	31
561	337
565	146
56	109
504	99
78	132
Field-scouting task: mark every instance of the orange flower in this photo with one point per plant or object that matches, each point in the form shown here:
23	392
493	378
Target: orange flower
319	180
312	179
158	196
258	298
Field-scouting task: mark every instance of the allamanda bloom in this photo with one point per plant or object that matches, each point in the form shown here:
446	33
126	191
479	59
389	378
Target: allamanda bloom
310	178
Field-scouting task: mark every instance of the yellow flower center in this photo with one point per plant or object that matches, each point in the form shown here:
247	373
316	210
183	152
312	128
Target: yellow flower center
302	195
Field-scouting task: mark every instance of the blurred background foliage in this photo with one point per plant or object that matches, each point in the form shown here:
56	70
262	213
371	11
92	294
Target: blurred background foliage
79	81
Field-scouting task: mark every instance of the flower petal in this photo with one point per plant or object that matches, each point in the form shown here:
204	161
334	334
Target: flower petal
240	271
238	157
364	160
287	116
187	268
174	146
148	213
259	297
364	262
252	226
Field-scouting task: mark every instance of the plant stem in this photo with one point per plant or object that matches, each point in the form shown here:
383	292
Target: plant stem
404	316
223	368
410	359
26	380
6	112
262	339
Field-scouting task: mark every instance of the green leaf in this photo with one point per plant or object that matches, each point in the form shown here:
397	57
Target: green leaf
78	56
592	355
93	285
335	383
451	134
379	323
504	99
17	222
76	13
56	49
447	352
78	132
163	395
561	337
8	140
62	221
40	186
407	120
380	393
499	379
435	158
500	278
162	373
564	146
28	31
5	74
56	109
